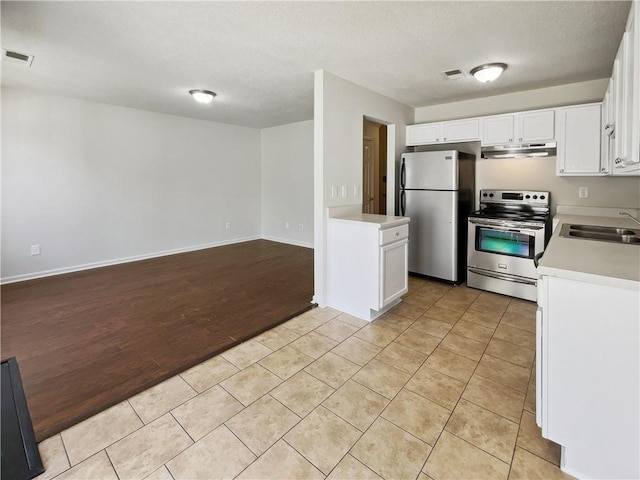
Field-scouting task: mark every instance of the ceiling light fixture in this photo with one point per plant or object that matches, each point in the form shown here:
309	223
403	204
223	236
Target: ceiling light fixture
488	72
202	96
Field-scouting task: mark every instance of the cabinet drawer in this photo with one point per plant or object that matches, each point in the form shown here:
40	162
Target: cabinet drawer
394	234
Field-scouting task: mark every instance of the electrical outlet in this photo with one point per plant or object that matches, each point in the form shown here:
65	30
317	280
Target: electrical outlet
35	249
583	192
300	226
227	225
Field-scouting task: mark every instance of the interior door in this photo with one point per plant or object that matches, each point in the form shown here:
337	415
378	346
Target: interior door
368	176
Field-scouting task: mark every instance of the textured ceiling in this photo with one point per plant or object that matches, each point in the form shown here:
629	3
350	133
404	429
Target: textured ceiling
260	56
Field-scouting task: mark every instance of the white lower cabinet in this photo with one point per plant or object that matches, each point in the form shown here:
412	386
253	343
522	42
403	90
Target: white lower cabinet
588	376
368	263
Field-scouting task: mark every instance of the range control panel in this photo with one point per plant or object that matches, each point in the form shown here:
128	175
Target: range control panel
514	197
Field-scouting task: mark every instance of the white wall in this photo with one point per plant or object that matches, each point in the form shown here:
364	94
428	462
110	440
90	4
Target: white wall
96	184
287	183
540	174
339	108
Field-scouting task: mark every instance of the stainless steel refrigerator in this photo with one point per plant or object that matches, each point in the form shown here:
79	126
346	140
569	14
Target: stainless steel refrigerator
437	193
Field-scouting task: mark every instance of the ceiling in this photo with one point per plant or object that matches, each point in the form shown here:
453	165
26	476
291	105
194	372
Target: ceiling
260	56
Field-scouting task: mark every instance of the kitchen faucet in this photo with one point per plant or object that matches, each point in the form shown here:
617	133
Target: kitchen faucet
630	216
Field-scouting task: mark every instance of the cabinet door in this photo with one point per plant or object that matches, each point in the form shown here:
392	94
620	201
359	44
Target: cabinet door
497	130
621	107
461	130
535	126
635	81
394	279
588	399
578	139
607	126
626	135
424	134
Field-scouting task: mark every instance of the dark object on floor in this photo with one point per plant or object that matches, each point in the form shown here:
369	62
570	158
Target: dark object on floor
89	340
20	456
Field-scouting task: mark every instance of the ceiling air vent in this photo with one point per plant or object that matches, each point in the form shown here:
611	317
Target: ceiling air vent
16	57
453	74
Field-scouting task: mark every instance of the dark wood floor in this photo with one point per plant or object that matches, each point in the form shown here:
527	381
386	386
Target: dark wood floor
88	340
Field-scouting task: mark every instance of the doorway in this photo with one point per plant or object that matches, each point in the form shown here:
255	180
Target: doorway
374	167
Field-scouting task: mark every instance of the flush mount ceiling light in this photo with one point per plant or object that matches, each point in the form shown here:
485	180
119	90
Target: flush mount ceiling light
488	72
202	96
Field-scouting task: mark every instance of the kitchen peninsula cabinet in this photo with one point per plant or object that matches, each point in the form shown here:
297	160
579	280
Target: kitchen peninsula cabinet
368	263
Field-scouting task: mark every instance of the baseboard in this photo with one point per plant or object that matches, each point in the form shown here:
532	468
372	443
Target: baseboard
117	261
287	241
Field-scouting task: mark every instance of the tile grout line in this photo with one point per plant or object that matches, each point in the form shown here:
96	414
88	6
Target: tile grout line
461	395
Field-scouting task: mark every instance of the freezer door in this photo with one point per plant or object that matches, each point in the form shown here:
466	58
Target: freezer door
433	239
430	170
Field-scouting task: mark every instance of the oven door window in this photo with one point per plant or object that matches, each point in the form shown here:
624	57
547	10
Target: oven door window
506	242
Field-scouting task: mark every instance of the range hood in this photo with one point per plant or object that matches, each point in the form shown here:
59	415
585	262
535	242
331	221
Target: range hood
522	150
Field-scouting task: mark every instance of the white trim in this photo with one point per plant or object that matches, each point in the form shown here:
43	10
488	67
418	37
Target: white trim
287	241
106	263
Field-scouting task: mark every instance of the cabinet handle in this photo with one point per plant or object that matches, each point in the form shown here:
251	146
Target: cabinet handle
562	170
445	139
511	139
611	130
603	169
437	139
617	161
520	139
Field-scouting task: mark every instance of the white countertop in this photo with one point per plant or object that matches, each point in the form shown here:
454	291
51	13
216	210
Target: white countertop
380	221
602	263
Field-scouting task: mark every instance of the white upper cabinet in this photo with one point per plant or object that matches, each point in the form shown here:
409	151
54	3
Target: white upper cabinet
424	134
498	129
578	137
625	80
534	126
634	42
466	130
608	123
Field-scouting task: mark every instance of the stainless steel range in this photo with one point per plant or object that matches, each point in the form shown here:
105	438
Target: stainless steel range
506	235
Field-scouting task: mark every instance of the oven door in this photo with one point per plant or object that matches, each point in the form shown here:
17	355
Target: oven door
504	248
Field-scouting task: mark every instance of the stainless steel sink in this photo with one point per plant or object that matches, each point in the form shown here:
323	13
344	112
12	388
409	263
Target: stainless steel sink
593	228
601	234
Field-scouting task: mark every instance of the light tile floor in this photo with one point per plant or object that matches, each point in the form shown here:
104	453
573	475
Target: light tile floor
443	386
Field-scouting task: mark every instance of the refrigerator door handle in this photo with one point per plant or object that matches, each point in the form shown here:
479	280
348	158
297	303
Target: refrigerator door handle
403	202
403	174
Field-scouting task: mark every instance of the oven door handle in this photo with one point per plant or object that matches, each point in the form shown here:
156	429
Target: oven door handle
504	224
536	259
499	276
